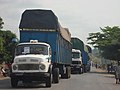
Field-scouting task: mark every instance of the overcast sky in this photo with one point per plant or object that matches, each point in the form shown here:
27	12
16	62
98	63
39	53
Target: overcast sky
80	16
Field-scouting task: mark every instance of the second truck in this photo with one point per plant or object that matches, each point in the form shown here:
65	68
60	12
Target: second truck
79	45
76	61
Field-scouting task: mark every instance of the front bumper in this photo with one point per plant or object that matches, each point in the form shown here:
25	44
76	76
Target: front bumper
75	68
30	76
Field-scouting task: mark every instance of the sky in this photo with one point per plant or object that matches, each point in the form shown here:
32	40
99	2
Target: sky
80	16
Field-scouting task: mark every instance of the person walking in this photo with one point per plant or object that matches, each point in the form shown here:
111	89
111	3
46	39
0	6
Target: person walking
117	73
96	65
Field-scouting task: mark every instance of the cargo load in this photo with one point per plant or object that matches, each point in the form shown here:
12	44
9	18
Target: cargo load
65	34
44	20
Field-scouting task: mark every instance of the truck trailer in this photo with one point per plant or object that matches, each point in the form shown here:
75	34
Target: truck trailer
44	51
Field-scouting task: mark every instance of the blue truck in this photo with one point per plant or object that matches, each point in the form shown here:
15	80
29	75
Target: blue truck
44	51
79	45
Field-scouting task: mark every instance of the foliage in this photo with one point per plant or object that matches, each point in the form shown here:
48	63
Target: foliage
107	41
1	23
6	45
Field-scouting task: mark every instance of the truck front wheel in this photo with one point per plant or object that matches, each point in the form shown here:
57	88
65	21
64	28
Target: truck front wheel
49	81
14	82
80	70
56	75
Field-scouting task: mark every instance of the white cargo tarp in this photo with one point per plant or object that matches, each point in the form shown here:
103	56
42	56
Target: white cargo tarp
65	34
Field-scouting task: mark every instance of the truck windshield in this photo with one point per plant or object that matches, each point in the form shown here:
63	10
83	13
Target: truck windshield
75	55
31	49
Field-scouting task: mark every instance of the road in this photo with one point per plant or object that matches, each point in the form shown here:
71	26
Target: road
95	80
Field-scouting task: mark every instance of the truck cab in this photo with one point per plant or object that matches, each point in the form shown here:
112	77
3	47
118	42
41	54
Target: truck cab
76	61
32	62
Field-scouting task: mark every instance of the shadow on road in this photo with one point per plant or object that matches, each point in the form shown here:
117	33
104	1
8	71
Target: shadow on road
100	72
5	84
110	76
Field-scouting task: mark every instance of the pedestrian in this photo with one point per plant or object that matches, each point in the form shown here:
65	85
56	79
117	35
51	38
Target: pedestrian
96	65
111	66
108	68
117	73
3	72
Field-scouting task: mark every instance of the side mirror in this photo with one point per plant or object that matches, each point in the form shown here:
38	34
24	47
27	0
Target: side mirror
48	59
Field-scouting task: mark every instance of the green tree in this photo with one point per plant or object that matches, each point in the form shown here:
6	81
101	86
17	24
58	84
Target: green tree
6	44
1	39
107	41
1	23
1	44
1	48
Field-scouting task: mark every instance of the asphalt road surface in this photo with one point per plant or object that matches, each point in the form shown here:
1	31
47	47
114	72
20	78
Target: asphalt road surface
94	80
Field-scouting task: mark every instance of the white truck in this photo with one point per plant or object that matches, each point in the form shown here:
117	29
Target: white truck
76	61
32	62
50	56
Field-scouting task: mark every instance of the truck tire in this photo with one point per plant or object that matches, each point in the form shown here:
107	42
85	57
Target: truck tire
14	82
63	76
56	75
49	81
84	68
80	71
68	72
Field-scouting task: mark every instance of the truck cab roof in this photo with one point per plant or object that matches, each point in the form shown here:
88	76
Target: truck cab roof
35	43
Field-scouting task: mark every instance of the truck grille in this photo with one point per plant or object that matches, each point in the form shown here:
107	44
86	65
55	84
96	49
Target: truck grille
28	67
76	62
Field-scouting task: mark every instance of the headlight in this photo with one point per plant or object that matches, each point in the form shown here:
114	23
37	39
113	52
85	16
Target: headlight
42	66
15	67
33	60
22	60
